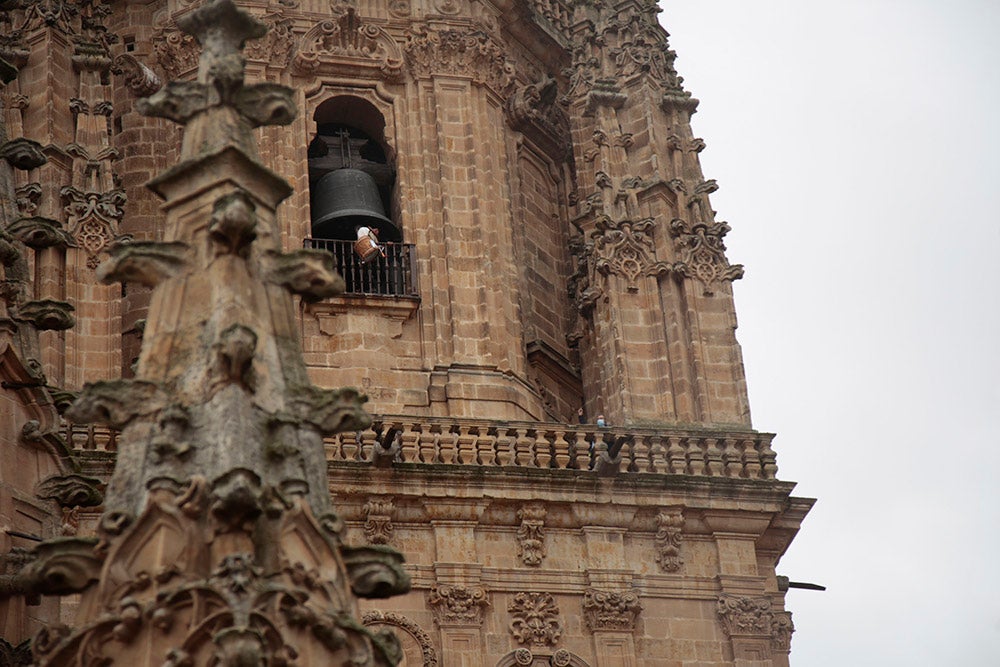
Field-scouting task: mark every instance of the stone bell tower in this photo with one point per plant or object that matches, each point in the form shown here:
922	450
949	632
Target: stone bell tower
550	254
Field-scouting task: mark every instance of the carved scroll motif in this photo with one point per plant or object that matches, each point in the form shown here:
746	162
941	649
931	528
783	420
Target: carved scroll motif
531	535
378	520
668	540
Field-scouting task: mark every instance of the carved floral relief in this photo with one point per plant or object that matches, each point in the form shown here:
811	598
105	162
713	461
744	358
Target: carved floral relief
535	619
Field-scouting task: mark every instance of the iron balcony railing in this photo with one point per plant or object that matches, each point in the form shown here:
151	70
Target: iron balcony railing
392	275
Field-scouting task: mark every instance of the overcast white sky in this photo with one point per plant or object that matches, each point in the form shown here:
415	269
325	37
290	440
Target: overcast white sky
857	148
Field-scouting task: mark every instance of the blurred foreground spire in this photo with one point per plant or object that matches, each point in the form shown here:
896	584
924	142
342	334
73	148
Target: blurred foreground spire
218	544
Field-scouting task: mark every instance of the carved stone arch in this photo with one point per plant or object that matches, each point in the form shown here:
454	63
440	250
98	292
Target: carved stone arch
376	95
524	657
418	649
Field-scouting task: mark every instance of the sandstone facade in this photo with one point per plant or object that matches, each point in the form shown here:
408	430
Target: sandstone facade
558	251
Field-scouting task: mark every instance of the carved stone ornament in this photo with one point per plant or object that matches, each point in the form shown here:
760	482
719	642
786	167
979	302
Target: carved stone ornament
116	402
610	610
307	272
625	248
533	110
423	640
38	232
703	254
531	535
23	154
669	527
378	520
457	605
276	47
46	314
94	218
535	619
348	45
176	52
463	52
28	196
226	613
144	262
745	616
139	79
781	632
70	490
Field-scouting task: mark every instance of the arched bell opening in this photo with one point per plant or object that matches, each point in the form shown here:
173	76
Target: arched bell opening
351	175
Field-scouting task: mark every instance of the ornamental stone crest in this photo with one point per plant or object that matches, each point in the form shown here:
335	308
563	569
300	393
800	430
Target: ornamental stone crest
703	254
668	540
625	248
535	619
456	605
743	615
378	520
610	610
531	535
466	52
94	217
346	43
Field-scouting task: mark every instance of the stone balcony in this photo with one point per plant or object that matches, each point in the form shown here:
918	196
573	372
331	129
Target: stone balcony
696	452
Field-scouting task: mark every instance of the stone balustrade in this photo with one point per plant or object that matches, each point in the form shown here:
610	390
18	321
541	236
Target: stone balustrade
675	451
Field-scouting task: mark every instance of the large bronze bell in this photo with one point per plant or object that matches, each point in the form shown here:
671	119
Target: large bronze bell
345	199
